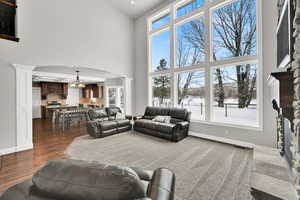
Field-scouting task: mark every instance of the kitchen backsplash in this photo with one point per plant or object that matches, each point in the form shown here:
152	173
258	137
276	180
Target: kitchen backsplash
89	101
54	97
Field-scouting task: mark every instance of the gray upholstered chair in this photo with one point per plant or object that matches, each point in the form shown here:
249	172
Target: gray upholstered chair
80	180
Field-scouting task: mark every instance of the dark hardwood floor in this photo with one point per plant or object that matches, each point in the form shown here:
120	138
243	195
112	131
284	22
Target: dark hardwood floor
49	143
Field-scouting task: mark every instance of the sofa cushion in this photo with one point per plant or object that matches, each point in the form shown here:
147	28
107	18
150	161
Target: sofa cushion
144	123
175	121
154	111
178	113
165	128
107	125
112	111
149	117
122	122
97	113
76	180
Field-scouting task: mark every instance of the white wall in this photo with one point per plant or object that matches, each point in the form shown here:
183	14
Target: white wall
7	106
63	33
265	137
72	33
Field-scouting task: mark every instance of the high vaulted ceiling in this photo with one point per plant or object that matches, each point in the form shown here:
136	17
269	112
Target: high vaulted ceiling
138	9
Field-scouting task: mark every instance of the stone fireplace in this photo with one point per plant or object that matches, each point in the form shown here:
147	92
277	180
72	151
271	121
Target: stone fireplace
295	146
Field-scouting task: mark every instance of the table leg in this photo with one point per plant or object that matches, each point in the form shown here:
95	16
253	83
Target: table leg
63	122
1	162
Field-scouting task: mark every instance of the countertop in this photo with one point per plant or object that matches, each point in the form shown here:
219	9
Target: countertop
60	106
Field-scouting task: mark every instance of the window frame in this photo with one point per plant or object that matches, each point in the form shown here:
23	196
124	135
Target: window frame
206	11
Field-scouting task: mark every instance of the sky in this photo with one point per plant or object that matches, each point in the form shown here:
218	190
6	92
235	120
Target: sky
161	42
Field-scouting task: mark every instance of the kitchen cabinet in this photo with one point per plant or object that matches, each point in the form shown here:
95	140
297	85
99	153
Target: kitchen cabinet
60	89
90	91
65	90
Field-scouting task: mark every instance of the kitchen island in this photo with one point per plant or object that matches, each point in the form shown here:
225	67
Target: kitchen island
47	110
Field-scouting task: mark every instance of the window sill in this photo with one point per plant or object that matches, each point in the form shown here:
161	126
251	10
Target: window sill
8	37
253	128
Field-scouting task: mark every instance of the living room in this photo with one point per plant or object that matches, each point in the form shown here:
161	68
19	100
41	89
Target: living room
208	85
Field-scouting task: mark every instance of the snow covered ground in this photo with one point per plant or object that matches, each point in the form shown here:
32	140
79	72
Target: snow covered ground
235	115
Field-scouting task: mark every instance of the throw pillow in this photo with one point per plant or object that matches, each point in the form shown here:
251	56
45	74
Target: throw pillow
120	116
162	119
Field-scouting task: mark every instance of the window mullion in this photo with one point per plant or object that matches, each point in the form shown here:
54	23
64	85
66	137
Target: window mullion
173	56
208	82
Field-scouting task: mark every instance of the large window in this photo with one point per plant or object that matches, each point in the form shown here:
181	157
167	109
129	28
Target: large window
204	56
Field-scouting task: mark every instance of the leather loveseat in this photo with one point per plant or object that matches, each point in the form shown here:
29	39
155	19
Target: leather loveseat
175	131
81	180
103	122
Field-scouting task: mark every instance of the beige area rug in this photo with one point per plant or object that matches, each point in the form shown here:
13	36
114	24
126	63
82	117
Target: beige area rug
204	170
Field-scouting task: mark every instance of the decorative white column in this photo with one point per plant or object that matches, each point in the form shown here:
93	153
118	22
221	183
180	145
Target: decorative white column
127	85
24	107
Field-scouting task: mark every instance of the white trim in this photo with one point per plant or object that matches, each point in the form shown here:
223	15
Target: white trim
223	140
7	151
24	148
164	13
24	137
271	81
11	150
24	67
225	124
67	76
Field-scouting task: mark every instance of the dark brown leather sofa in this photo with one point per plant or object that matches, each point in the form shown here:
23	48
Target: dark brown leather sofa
102	122
175	131
80	180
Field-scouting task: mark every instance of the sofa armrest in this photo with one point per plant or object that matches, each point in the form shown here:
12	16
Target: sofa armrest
162	185
138	117
129	117
93	128
182	124
180	131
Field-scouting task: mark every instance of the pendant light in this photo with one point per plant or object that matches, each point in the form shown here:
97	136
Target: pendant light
77	83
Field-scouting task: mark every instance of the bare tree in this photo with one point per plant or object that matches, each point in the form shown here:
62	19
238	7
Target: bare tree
162	83
190	48
235	33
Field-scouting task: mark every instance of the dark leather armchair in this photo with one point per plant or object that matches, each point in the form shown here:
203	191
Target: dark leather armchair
80	180
102	122
175	131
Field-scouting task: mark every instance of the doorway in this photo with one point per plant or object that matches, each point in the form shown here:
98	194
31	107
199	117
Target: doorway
116	97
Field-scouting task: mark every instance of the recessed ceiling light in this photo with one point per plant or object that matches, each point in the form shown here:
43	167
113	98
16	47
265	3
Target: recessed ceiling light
132	2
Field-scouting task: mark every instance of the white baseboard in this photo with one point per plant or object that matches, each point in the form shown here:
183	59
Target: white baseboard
15	149
223	140
24	148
